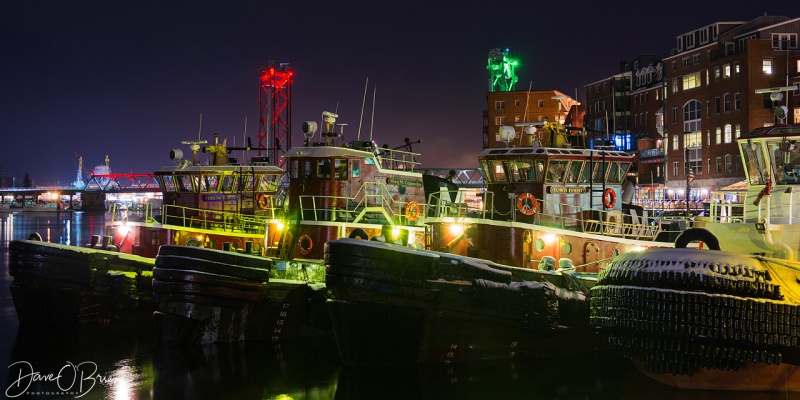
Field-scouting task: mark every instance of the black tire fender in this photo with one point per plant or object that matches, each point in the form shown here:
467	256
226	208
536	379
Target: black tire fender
697	235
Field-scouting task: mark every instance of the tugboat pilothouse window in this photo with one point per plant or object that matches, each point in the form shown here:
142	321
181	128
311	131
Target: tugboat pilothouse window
167	184
248	182
599	172
209	183
356	169
617	172
522	171
185	183
754	163
786	161
227	183
307	171
295	169
324	169
555	171
574	171
497	171
267	183
340	169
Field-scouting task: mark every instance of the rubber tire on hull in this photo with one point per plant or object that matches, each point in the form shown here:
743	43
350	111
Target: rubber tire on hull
225	257
697	235
214	267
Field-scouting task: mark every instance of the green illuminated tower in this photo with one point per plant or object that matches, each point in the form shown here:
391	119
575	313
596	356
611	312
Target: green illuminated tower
502	77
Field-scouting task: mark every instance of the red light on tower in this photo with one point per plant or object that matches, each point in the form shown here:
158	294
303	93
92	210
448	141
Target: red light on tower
275	110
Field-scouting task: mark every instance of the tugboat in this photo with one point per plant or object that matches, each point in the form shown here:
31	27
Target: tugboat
703	319
396	306
553	198
725	318
356	190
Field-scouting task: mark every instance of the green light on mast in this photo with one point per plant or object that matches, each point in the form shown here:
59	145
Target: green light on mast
501	67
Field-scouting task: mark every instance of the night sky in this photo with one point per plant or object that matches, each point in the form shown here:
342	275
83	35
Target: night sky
129	79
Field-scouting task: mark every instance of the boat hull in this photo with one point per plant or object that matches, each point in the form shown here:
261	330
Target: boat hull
211	296
396	306
57	285
702	319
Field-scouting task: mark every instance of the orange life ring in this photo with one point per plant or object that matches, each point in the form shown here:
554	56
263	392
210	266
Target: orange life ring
304	250
527	204
263	201
412	211
609	198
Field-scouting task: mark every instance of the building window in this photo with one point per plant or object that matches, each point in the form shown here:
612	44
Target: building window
541	103
766	65
499	120
716	73
674	65
728	133
737	101
727	103
716	105
691	81
516	103
737	130
516	118
674	142
784	41
675	85
696	59
674	114
719	165
675	169
708	138
685	62
719	136
500	105
692	139
736	68
737	166
728	164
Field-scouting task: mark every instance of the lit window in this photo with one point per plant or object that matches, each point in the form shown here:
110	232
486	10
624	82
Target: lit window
726	71
728	133
719	136
766	65
691	81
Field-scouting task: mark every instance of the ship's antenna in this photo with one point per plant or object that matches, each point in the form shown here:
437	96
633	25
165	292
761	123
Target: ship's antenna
200	129
525	116
364	100
244	141
374	91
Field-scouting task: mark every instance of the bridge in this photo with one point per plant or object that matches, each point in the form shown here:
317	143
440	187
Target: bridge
92	194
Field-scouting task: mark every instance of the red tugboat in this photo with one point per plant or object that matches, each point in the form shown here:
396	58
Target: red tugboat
552	199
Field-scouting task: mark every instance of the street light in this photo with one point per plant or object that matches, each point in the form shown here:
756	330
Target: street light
688	183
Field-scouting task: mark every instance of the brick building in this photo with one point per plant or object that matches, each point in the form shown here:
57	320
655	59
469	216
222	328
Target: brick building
514	107
692	105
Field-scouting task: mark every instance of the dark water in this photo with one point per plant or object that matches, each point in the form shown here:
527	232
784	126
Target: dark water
131	364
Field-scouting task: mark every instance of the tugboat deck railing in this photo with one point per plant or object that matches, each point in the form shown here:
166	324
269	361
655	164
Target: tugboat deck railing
215	220
372	198
566	217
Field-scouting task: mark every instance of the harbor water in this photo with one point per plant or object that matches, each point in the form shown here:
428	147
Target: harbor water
128	362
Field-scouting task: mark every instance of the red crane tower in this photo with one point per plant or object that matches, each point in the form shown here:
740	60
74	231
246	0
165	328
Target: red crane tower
275	98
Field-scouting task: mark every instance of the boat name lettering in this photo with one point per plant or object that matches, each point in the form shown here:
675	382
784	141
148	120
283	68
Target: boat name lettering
220	197
561	189
403	182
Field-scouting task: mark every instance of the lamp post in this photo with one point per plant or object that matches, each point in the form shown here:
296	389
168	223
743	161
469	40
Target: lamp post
688	183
